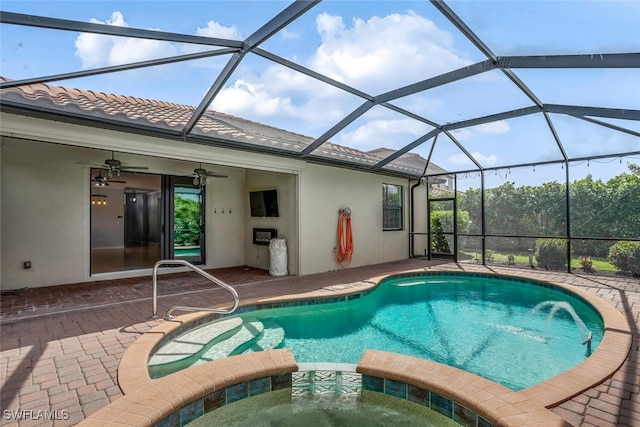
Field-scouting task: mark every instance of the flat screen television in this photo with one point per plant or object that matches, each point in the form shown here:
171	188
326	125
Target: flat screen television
264	203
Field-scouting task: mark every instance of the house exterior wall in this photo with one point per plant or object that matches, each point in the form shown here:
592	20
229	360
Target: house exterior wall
45	215
420	224
286	223
45	209
323	192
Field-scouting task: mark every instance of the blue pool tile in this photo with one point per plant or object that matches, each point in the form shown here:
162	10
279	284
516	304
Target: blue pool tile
280	382
372	383
215	400
237	392
464	416
192	411
483	423
418	395
442	405
395	388
259	386
245	309
172	420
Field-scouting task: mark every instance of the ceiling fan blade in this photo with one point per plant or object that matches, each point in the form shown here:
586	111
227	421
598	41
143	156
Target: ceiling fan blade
134	167
216	175
92	165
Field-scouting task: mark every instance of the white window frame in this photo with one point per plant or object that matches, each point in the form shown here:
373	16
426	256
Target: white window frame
391	210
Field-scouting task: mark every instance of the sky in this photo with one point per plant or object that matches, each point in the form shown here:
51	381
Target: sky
375	47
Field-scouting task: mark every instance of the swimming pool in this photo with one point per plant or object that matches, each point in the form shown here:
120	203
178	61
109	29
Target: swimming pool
515	332
278	409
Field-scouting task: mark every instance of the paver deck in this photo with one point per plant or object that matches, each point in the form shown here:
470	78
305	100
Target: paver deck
61	346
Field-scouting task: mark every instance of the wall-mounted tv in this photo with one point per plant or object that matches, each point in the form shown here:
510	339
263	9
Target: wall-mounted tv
264	203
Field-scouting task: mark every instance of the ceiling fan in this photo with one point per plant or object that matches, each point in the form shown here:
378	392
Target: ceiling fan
103	181
200	176
115	166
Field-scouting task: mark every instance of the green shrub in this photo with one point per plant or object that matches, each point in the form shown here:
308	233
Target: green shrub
626	256
438	241
551	254
443	220
186	221
586	264
489	255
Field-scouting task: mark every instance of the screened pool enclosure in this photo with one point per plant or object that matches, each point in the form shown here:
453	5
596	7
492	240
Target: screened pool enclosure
521	118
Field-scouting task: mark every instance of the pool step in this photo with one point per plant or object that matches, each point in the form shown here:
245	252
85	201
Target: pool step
243	338
271	337
214	341
195	341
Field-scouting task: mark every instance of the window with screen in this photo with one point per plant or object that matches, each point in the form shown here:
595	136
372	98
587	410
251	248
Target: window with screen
391	207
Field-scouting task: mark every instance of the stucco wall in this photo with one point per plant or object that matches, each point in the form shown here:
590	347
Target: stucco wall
420	224
323	192
45	215
45	210
225	218
286	223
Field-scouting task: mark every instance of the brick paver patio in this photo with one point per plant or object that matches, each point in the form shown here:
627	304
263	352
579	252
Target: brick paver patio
61	346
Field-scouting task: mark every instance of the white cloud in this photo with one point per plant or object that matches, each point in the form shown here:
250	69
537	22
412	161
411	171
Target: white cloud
288	35
462	159
407	46
387	133
494	128
375	55
96	50
245	96
463	134
217	30
284	98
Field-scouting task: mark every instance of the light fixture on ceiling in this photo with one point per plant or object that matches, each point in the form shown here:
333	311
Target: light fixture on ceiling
98	200
100	181
134	198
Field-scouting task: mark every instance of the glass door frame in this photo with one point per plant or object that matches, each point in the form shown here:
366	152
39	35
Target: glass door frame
432	254
168	247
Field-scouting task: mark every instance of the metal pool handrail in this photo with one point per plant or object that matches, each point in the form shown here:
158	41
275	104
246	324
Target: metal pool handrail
236	299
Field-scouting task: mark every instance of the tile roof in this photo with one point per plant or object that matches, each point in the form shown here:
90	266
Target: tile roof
166	117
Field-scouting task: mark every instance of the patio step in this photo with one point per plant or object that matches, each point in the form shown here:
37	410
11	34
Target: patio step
194	342
242	339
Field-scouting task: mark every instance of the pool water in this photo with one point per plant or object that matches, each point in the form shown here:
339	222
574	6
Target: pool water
484	326
510	332
186	251
277	409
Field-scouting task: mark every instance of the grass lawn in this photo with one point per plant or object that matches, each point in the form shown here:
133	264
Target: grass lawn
600	264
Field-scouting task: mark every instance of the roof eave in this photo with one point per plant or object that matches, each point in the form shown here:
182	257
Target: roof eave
58	115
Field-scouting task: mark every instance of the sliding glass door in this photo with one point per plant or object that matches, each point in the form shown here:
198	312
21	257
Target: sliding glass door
125	221
183	225
141	218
